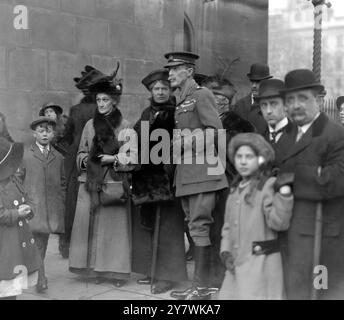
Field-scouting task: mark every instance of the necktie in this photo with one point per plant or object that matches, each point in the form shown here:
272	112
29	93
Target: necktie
299	134
274	134
45	152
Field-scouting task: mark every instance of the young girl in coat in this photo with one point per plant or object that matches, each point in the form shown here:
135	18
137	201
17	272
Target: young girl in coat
19	256
257	207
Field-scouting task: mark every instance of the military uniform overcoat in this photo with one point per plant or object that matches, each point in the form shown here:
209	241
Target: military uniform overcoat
196	110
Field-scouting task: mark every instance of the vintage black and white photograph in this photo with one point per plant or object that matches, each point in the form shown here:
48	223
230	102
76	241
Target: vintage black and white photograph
155	150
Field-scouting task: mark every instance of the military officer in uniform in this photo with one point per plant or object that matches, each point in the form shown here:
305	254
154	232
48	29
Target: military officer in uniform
247	107
195	112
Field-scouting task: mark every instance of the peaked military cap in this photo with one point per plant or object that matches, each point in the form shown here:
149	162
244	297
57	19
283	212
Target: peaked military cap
180	58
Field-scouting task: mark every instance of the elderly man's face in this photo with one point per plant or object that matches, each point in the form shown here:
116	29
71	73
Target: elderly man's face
160	92
178	75
272	110
302	106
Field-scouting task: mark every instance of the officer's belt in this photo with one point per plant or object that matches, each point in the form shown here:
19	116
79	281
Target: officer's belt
265	247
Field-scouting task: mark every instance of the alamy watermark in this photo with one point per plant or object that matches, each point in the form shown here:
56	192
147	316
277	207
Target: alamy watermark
184	147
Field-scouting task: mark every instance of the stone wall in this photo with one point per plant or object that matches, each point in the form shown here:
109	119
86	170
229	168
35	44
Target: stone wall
38	65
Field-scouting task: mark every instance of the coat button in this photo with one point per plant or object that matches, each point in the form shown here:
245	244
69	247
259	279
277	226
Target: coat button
32	240
257	248
15	202
24	244
20	223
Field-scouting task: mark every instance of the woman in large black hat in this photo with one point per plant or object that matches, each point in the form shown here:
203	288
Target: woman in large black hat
100	241
152	192
19	256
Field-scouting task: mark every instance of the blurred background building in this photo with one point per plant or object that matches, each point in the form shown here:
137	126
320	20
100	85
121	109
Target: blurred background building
291	24
38	65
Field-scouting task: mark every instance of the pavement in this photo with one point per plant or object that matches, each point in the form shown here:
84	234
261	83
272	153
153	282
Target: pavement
64	285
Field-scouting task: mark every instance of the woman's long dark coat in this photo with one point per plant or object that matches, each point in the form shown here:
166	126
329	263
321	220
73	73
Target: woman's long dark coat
152	186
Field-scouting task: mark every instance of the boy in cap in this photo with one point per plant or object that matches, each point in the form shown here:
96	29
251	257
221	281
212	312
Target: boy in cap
46	185
195	110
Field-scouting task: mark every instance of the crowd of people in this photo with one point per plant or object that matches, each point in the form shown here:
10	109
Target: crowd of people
250	227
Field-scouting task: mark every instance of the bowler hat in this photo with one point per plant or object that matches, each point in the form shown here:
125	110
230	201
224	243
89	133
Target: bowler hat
40	120
258	72
180	58
51	105
160	74
270	88
339	101
301	79
255	141
11	155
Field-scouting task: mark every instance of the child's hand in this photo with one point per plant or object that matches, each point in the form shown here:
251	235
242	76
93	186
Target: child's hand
24	210
228	260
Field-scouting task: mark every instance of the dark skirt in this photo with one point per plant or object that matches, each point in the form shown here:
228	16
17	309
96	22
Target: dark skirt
171	262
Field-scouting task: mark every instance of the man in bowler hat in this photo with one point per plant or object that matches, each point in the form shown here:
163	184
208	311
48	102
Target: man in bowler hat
317	160
273	110
195	109
247	107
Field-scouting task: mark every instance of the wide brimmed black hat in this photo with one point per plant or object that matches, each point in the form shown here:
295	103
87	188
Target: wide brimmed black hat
255	141
300	79
270	88
51	105
156	75
11	155
339	101
107	84
89	77
179	58
259	72
40	120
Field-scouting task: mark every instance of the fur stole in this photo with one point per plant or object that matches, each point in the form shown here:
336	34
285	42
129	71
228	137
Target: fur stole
104	142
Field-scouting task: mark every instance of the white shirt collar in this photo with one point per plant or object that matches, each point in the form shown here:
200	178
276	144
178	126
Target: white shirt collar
41	147
306	126
279	125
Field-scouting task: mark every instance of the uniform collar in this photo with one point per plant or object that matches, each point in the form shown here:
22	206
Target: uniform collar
189	87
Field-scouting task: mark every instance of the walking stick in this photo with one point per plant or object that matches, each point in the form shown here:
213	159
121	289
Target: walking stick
155	244
317	243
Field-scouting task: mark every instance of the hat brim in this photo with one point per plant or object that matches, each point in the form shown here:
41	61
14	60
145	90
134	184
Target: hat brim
35	123
253	78
12	162
277	95
308	86
57	109
176	63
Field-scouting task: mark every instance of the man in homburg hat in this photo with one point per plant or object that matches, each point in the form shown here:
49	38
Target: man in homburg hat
272	107
317	160
195	110
246	107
